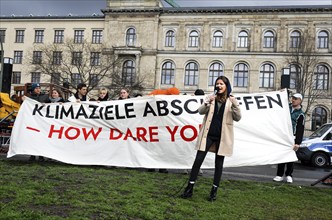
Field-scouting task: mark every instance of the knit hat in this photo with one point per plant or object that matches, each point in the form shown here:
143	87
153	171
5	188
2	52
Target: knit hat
34	85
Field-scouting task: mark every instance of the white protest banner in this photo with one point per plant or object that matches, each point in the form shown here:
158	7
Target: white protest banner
150	132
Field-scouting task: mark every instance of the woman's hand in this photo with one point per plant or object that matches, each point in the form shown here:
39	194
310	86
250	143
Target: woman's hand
209	99
233	100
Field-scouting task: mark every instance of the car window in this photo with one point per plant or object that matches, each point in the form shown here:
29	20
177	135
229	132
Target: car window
320	131
328	136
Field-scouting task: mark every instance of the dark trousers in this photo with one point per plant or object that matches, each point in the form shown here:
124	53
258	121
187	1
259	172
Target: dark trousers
289	169
200	156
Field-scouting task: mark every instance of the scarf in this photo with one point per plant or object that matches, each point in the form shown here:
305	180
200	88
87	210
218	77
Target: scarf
55	99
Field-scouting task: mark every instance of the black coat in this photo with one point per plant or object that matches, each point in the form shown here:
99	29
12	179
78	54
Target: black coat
43	98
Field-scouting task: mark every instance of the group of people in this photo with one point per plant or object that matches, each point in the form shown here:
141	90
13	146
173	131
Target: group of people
81	94
215	135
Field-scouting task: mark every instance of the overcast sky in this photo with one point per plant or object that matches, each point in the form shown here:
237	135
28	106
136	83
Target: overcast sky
88	7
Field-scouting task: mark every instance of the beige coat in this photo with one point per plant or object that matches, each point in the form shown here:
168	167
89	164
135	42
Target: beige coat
232	113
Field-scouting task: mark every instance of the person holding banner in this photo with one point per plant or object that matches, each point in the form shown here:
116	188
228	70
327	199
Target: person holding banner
216	134
297	118
103	95
37	95
56	96
124	94
82	90
43	98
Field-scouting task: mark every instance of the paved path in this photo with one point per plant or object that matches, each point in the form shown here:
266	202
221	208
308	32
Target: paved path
303	175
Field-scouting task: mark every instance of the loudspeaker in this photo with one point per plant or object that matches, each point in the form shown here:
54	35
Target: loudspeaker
7	77
285	81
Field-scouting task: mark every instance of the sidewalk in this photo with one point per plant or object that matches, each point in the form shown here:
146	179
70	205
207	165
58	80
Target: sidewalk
303	176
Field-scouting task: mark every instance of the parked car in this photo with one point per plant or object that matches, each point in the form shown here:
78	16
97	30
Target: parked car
317	148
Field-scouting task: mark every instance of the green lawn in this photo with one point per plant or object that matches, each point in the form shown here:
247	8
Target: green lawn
51	190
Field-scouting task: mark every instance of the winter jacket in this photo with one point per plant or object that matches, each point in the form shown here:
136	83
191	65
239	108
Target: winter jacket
43	98
232	113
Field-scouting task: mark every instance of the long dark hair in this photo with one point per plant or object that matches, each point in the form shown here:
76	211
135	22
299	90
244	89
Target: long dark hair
223	96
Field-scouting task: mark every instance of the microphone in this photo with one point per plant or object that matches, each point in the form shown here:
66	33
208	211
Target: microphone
216	90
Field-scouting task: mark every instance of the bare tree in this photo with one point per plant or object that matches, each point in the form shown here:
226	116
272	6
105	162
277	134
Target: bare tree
71	63
126	79
303	61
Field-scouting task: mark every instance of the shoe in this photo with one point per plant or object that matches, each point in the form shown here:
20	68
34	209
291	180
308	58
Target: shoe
188	191
327	181
163	171
289	179
185	172
213	194
278	179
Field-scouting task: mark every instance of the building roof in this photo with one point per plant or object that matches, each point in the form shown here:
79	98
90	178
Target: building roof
233	9
191	10
68	17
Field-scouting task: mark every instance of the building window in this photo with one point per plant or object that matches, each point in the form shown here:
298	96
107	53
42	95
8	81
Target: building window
97	36
36	57
18	57
57	57
95	59
215	70
191	74
295	39
55	78
39	36
59	36
242	39
35	77
16	77
129	73
321	78
78	36
295	74
323	40
93	80
268	39
75	79
241	73
170	39
19	36
193	39
318	118
168	73
266	76
2	36
217	39
76	58
130	37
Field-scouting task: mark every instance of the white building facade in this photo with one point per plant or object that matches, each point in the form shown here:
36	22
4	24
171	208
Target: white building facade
189	48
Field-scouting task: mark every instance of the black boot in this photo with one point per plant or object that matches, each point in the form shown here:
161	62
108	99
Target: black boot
213	193
188	191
